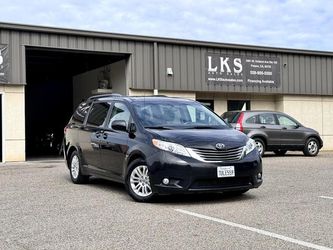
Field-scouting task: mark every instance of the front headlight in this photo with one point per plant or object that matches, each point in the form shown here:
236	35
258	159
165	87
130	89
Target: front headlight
250	146
170	147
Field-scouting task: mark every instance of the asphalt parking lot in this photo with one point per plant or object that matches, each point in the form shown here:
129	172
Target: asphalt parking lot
40	208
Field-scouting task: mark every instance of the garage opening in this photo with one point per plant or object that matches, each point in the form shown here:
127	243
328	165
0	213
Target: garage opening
57	81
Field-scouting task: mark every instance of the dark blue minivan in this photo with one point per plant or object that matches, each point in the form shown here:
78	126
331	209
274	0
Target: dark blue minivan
159	145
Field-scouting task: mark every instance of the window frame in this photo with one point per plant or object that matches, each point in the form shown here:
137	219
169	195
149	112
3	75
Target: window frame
86	115
89	112
290	118
256	119
274	117
108	117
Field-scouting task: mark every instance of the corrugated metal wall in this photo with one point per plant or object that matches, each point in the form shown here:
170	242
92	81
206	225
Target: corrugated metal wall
303	74
141	52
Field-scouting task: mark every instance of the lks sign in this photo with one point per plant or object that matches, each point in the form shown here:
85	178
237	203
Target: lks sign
242	70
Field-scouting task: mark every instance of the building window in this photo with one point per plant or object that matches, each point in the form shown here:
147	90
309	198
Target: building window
238	105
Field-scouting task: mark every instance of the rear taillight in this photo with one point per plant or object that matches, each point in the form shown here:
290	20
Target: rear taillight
239	124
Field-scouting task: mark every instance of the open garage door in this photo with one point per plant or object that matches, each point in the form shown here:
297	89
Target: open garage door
56	81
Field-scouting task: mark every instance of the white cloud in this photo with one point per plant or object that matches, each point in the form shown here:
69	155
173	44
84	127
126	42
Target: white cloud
279	23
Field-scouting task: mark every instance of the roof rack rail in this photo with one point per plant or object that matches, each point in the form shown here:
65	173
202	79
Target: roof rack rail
103	95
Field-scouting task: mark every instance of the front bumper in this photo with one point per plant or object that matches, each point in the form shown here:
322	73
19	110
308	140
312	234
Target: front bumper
187	175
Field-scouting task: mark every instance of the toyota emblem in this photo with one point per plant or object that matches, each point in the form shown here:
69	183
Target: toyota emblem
220	146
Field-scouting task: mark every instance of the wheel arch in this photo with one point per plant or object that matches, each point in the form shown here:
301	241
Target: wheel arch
313	136
132	157
69	152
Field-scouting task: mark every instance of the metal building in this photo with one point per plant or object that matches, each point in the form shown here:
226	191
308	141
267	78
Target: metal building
45	72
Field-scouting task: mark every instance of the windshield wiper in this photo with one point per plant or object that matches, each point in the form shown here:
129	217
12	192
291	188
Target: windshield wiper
204	127
158	127
186	127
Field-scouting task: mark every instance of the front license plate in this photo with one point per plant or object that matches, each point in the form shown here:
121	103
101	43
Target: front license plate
225	171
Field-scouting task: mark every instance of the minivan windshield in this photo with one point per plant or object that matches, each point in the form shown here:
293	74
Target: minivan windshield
172	114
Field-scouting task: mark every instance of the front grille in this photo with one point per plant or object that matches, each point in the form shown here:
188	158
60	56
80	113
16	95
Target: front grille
221	183
213	155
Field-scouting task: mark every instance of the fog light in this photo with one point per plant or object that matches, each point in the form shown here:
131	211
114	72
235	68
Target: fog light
259	176
165	181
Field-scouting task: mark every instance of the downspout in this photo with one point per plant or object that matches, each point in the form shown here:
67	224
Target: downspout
155	70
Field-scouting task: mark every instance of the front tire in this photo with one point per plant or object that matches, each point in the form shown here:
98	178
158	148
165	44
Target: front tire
75	169
311	147
138	182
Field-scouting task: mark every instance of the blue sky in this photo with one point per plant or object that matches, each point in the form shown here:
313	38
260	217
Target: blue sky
302	24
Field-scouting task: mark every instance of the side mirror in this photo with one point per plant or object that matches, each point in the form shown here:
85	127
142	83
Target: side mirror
132	128
119	125
296	126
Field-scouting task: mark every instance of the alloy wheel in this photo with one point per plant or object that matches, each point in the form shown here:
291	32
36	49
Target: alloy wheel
312	147
75	166
139	181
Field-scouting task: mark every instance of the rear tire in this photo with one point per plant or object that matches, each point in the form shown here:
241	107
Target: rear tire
280	152
260	146
75	169
311	147
137	181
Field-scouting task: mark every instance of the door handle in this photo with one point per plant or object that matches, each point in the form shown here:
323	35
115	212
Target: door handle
98	133
284	128
263	127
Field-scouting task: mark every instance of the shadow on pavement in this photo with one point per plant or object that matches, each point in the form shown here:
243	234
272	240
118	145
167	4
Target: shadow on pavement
174	198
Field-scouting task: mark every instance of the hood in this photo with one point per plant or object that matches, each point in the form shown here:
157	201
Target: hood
202	138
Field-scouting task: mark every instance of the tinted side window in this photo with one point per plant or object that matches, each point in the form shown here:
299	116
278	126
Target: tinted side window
285	121
119	112
81	112
267	119
251	120
98	114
